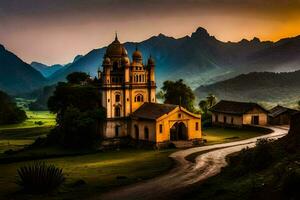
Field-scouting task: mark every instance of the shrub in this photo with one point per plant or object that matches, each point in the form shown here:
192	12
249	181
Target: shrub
40	123
40	177
255	159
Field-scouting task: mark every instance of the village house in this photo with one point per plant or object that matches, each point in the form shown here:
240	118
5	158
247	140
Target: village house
280	115
231	113
128	90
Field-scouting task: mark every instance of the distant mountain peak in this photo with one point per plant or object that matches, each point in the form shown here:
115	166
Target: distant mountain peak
77	58
200	33
255	40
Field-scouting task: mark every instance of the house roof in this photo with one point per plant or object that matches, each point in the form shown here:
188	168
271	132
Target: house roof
236	108
153	110
278	110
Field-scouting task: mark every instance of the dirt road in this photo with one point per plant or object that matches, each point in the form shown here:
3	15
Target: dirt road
185	173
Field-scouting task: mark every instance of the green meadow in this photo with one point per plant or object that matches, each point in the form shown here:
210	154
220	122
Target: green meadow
215	135
17	136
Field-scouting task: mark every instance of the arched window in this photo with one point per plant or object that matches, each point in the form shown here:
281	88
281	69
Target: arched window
140	78
117	112
139	98
118	98
146	133
136	78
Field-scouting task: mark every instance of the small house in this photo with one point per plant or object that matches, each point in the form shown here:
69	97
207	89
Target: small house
280	115
232	113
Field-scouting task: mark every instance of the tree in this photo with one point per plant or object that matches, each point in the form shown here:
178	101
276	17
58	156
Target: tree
211	100
77	77
208	103
178	93
10	113
79	114
203	106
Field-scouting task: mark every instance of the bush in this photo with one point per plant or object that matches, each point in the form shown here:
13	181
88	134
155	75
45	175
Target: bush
254	159
40	177
40	123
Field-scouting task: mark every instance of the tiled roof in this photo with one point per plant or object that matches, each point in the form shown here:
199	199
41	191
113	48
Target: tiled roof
237	108
153	110
278	110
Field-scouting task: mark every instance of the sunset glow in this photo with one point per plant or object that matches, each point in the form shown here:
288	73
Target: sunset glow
56	31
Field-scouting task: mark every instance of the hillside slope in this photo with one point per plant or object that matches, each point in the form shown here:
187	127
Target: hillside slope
17	76
257	86
46	70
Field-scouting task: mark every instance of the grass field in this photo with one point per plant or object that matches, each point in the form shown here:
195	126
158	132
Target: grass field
16	136
215	135
100	171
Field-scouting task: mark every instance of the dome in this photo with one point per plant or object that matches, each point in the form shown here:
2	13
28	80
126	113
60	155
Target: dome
137	55
106	61
125	61
116	49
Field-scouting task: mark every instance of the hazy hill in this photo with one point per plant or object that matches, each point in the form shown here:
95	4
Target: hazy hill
15	75
46	70
201	58
257	86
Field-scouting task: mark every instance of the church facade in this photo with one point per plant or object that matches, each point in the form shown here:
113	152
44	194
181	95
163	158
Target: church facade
128	92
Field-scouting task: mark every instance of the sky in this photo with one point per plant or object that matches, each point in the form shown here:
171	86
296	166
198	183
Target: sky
55	31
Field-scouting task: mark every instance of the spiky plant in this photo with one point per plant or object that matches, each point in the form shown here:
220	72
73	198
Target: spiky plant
39	177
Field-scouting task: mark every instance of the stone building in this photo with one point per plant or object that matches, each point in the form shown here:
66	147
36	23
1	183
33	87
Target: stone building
231	113
128	91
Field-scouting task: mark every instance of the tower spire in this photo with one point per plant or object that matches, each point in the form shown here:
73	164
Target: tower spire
116	37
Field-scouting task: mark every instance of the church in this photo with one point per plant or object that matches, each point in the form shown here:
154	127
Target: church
128	92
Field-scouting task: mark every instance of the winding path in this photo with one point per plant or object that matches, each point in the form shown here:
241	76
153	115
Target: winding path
186	173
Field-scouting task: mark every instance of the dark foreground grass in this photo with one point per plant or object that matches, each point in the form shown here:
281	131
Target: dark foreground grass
92	174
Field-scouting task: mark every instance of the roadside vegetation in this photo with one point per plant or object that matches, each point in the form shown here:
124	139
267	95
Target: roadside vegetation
271	170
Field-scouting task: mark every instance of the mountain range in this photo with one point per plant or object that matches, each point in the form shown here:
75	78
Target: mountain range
199	59
264	87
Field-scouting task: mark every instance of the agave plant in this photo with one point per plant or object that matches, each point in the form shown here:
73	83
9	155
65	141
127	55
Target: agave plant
39	177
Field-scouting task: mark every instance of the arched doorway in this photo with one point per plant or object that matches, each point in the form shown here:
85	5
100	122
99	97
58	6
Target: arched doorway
146	133
178	132
136	132
117	112
117	130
